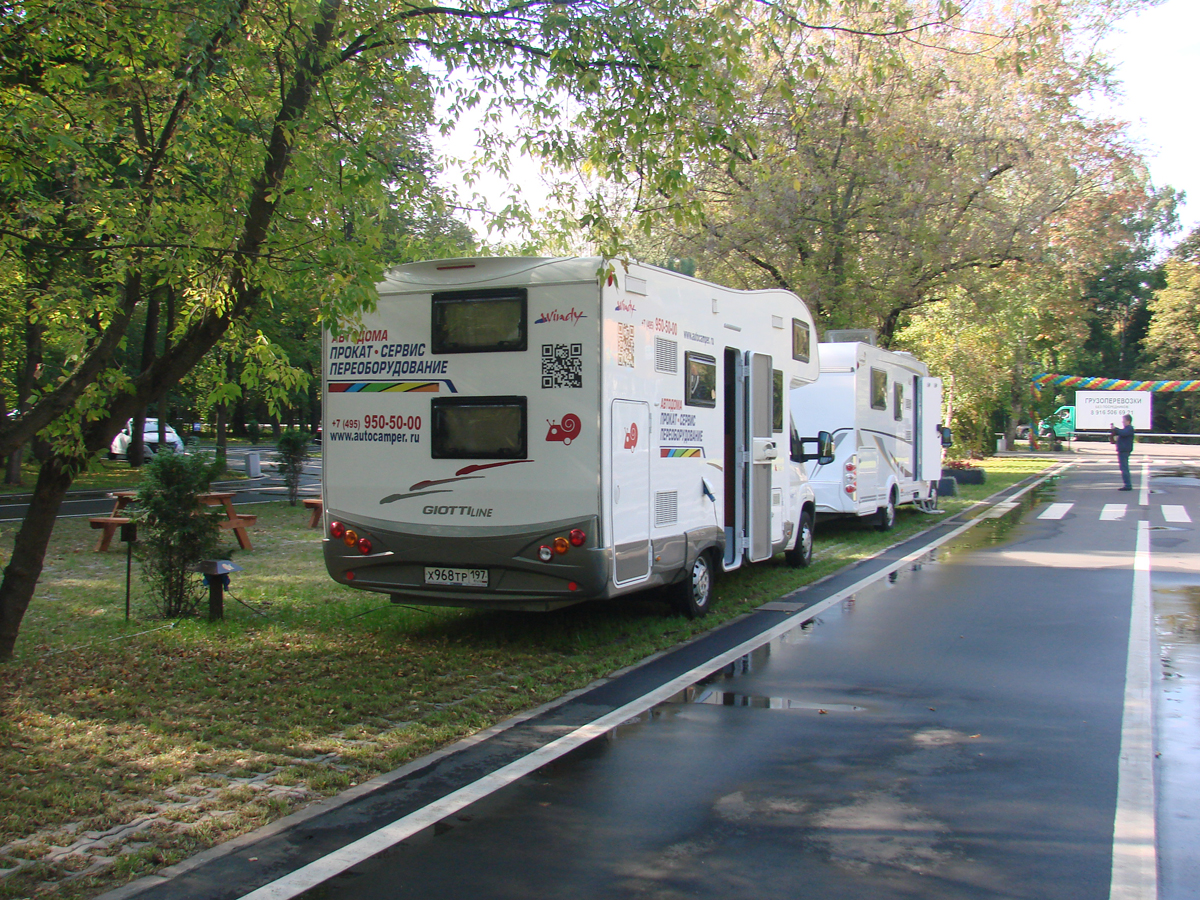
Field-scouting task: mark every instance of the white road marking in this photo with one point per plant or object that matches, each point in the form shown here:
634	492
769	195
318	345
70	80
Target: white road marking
1134	857
1144	490
1176	513
1056	510
1112	512
306	877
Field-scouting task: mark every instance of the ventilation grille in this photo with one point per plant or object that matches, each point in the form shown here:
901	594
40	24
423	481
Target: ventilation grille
666	356
666	508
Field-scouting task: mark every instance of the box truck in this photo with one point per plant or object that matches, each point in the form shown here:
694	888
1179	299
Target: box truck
528	433
885	413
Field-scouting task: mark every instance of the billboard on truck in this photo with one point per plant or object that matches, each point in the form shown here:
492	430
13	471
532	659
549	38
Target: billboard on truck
530	433
1097	410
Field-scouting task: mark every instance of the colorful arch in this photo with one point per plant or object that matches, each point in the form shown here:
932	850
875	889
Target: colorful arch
1083	383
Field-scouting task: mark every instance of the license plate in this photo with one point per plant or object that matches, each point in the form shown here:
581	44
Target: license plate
462	577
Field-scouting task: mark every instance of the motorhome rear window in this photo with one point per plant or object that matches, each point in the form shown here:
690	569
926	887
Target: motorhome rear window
490	321
701	386
898	397
878	389
479	428
801	341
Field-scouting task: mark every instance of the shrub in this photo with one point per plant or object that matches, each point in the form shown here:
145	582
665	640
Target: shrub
175	532
293	454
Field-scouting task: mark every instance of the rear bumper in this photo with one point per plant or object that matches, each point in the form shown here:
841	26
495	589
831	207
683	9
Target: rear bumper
517	577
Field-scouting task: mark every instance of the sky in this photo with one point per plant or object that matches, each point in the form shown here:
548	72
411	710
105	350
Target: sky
1157	54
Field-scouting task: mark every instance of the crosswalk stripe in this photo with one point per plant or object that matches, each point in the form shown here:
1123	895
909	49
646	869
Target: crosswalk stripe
1056	510
1175	513
1112	512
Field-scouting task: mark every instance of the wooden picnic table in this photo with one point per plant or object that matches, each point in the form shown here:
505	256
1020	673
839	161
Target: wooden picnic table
314	504
232	521
109	524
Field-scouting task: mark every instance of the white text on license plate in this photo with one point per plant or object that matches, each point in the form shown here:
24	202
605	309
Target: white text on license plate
464	577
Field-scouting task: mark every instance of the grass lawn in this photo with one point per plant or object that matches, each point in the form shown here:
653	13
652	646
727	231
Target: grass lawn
182	735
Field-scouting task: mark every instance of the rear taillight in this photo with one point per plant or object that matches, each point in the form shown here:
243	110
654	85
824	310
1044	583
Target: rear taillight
364	545
337	530
560	545
850	476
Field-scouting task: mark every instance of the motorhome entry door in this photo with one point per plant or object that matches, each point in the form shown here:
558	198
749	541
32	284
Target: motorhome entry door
929	441
761	456
629	499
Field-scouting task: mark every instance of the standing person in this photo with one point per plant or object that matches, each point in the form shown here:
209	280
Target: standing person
1123	438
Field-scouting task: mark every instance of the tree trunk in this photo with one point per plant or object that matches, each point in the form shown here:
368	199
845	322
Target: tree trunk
12	473
149	346
29	549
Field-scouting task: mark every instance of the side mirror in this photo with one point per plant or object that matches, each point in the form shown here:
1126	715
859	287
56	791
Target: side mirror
947	437
824	448
824	454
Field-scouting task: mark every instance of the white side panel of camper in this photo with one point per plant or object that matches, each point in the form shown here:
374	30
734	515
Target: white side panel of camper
629	499
930	438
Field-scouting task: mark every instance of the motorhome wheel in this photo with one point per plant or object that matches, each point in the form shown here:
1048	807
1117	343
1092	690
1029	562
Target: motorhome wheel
801	554
695	592
887	514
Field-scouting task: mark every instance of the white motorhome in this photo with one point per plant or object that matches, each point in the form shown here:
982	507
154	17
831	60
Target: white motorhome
530	433
885	413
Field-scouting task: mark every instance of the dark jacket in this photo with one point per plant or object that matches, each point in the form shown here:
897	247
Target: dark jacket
1124	438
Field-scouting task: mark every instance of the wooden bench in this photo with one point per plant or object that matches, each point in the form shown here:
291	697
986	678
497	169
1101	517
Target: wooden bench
315	504
109	524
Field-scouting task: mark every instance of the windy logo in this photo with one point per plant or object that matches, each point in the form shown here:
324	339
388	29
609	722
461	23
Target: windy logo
625	306
571	317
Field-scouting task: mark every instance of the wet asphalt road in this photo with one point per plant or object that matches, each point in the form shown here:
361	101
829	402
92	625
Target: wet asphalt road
950	731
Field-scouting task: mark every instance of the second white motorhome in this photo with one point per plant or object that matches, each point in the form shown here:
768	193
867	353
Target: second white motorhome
532	433
885	413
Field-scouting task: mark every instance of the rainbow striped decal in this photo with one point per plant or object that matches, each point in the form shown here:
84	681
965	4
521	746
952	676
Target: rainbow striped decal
1081	383
386	387
677	452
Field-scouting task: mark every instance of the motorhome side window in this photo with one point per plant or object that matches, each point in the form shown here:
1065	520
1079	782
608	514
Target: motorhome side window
777	400
490	321
898	397
801	341
878	389
479	428
701	373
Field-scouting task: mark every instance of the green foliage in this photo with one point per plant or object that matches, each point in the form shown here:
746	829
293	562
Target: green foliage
292	448
1173	339
174	531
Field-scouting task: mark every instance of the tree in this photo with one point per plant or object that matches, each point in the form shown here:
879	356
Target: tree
901	173
1173	338
238	152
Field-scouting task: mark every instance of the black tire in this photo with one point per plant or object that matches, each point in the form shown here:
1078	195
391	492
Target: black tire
885	517
801	555
694	594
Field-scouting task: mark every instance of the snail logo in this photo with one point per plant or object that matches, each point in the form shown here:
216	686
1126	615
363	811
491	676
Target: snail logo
631	436
565	431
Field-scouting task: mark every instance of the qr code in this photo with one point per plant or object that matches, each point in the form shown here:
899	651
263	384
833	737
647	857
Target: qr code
625	355
562	365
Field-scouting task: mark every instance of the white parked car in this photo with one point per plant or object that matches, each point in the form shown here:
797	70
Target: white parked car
120	444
